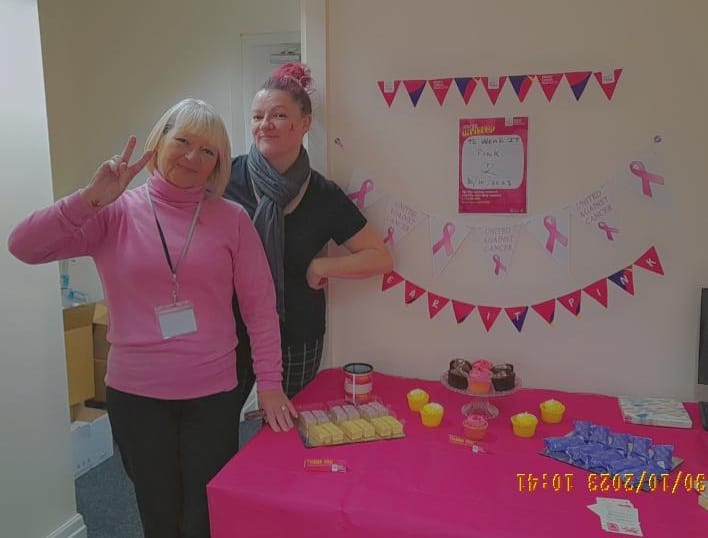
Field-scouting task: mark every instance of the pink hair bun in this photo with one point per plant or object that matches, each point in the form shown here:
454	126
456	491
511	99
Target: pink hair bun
298	72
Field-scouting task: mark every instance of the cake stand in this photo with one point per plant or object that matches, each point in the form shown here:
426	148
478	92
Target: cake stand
480	404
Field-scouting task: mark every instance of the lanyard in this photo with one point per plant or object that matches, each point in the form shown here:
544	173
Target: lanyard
185	247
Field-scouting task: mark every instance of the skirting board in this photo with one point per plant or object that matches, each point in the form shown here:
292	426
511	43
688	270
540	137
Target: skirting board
72	528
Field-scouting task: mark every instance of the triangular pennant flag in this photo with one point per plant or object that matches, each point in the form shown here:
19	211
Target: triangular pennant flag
466	85
390	280
364	190
488	314
498	244
577	80
494	86
415	89
650	261
435	304
571	301
598	291
462	310
445	238
388	90
624	279
549	83
608	81
399	221
552	231
517	315
546	309
521	85
440	87
598	211
413	292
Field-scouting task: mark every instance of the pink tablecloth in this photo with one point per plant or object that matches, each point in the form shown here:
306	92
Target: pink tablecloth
423	486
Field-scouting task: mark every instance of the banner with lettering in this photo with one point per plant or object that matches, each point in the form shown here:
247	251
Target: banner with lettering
492	165
546	309
494	86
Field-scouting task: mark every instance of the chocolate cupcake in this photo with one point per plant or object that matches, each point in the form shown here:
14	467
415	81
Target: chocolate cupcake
457	378
503	367
503	380
461	364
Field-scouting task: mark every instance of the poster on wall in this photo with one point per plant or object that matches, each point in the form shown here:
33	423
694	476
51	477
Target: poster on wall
492	164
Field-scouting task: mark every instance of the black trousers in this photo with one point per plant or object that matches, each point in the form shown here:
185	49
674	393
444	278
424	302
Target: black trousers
170	450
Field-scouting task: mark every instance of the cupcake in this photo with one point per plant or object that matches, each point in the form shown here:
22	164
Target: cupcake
417	398
480	381
460	363
503	367
524	424
482	364
457	378
475	427
552	411
431	414
503	380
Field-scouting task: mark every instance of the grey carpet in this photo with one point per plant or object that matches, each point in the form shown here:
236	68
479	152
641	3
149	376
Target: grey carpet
105	497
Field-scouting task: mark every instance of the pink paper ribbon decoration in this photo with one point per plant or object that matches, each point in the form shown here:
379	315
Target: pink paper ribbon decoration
498	265
609	230
549	221
360	196
389	236
446	240
637	168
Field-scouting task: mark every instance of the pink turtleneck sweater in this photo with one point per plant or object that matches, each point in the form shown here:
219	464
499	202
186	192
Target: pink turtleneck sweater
225	254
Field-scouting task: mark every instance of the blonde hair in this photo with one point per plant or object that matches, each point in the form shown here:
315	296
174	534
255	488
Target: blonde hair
198	116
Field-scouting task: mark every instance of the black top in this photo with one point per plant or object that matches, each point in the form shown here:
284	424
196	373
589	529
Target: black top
325	212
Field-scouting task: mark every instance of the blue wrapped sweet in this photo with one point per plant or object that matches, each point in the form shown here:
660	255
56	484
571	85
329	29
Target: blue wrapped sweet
560	444
620	442
582	428
662	456
641	447
599	434
618	466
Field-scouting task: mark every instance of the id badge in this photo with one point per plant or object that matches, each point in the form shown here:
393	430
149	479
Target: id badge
176	319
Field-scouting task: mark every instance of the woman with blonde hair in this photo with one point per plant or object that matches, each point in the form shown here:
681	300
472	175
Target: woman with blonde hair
170	254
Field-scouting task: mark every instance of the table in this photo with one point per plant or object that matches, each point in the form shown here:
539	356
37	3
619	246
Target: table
424	486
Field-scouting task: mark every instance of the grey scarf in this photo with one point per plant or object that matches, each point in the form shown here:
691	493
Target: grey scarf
275	191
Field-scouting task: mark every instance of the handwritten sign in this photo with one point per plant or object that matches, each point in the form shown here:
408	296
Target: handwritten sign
492	164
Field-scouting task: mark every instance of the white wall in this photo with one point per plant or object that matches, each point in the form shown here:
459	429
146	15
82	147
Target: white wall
644	344
37	488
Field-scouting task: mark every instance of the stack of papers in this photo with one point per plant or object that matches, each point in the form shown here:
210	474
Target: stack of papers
617	515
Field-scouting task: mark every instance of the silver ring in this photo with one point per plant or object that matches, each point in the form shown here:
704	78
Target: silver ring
284	407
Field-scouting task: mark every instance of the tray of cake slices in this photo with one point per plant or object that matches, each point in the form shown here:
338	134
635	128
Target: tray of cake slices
339	423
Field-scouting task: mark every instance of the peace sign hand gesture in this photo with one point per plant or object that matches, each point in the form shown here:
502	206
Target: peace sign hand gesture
113	176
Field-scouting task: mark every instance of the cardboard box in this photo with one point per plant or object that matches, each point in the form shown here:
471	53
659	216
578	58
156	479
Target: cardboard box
91	439
78	343
100	329
99	379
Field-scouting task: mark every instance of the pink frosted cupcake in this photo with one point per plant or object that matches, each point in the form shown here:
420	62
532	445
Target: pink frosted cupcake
480	381
482	364
475	427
